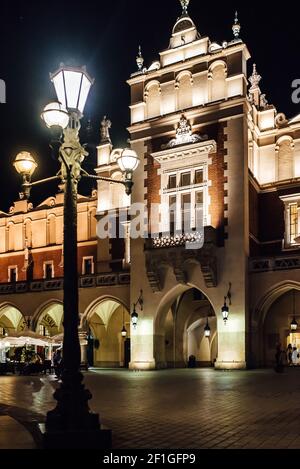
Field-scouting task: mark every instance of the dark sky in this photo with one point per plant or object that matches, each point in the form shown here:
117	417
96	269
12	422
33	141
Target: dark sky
104	36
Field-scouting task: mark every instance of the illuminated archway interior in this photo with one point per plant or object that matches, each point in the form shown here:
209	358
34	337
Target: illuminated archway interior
106	322
11	320
50	322
181	334
277	325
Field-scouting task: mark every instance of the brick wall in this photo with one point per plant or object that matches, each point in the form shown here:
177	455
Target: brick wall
38	259
216	176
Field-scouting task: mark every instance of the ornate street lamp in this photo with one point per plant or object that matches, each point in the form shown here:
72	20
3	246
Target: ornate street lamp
207	330
71	424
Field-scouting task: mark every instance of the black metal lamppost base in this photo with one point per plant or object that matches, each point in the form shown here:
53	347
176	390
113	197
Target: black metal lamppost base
72	425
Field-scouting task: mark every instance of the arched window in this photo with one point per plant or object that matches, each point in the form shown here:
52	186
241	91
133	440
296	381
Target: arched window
285	158
185	91
51	228
153	100
218	75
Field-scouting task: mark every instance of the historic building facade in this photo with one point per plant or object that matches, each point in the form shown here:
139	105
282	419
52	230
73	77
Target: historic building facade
219	187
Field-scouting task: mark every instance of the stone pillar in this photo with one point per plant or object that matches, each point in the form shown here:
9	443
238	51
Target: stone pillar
232	337
142	356
83	347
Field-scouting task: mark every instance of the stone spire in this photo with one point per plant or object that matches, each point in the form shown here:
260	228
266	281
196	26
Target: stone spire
184	4
140	60
236	28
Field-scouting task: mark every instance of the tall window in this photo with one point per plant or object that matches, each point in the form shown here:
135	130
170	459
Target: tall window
173	211
186	212
293	222
186	198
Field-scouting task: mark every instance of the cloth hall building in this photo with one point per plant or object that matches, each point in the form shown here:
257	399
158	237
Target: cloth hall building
206	136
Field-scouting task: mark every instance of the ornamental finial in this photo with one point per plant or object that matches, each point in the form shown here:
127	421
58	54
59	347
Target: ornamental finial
255	78
184	4
140	60
236	28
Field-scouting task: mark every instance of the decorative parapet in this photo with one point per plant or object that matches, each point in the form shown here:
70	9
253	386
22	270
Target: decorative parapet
177	252
91	281
274	264
178	240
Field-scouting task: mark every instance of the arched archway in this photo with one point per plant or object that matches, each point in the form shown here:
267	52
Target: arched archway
271	322
105	320
11	319
179	329
49	320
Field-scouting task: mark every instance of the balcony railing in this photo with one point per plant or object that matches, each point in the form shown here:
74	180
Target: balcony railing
87	281
274	264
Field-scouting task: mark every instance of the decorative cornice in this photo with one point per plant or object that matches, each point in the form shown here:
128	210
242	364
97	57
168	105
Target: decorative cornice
186	151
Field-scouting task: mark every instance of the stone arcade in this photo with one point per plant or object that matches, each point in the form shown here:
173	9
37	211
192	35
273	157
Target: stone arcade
207	136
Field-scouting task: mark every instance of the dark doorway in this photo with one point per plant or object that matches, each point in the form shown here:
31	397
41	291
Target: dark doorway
90	350
127	356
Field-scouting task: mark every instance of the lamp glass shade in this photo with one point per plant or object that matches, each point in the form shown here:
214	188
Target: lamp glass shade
225	312
72	86
128	160
25	164
124	332
55	115
134	318
207	331
294	325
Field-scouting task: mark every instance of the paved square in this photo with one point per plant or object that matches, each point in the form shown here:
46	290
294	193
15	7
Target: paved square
176	408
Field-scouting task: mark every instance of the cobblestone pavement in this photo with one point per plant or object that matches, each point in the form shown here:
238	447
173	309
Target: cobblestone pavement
176	408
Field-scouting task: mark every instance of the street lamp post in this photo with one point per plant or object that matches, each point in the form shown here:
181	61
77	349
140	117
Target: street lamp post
71	424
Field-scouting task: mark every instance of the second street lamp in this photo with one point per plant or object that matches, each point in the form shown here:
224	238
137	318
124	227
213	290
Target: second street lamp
71	424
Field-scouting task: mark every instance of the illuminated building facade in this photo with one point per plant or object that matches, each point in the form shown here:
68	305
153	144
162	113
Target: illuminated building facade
211	149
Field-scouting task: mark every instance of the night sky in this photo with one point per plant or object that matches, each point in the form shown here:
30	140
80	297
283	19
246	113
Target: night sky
104	36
